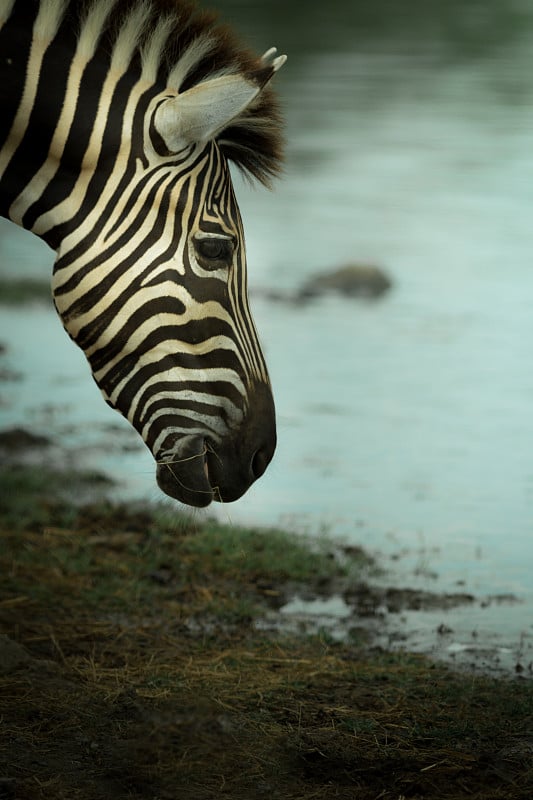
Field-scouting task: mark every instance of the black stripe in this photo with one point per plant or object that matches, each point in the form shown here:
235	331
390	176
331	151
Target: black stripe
216	389
77	140
92	297
15	43
32	150
190	333
128	366
110	148
166	403
176	420
140	377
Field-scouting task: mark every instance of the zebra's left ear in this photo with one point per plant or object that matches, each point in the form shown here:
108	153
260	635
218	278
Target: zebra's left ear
201	112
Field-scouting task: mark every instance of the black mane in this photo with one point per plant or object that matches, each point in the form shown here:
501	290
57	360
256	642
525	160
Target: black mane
253	141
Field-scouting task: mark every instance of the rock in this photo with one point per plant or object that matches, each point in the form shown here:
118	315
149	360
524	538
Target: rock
353	280
21	439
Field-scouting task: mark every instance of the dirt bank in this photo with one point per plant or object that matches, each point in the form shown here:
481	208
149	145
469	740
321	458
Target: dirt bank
133	664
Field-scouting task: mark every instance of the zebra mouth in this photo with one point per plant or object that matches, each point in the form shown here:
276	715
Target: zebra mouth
184	474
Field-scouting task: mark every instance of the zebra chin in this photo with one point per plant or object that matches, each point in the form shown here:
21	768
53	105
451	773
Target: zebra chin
195	469
199	472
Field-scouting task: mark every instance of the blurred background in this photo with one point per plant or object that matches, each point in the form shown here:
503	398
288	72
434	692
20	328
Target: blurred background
405	423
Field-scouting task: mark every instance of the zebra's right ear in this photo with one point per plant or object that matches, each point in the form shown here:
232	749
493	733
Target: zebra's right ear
200	113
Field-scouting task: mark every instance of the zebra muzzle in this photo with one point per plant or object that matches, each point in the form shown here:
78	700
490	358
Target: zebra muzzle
198	472
197	469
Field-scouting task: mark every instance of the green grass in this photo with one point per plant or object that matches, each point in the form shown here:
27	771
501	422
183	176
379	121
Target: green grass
267	554
131	555
144	676
36	497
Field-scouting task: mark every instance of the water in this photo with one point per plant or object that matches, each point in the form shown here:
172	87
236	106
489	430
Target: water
405	425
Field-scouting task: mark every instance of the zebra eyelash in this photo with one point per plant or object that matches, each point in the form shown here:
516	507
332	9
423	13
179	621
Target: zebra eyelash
214	251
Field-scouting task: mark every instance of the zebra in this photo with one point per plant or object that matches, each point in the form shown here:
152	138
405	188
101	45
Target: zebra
119	120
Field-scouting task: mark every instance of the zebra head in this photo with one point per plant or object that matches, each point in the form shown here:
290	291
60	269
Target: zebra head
150	278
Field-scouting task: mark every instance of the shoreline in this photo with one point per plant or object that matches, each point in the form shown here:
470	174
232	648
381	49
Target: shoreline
395	610
136	661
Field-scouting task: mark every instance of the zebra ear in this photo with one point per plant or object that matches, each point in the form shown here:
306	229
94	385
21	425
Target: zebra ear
201	112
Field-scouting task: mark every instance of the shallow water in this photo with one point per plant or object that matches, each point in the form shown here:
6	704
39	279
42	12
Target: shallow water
405	425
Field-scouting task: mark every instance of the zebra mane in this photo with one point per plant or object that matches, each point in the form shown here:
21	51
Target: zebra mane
178	46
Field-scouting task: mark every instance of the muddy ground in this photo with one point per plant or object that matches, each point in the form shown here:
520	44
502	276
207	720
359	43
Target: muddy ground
140	658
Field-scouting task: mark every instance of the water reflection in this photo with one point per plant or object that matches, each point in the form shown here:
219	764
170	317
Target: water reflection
409	146
405	425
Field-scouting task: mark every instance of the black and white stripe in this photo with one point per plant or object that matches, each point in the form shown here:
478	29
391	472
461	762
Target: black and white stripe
150	276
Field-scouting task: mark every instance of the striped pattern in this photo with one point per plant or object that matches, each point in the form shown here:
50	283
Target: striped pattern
150	276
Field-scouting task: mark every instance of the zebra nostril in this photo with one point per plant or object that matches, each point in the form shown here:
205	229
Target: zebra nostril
259	463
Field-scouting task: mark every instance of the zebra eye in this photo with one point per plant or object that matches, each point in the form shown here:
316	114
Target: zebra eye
214	251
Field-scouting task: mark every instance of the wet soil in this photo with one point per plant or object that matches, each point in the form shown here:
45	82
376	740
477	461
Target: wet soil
139	659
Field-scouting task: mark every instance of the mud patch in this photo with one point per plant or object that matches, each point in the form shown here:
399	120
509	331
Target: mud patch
133	665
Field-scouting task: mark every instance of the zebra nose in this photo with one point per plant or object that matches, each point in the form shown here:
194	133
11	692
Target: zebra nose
235	463
260	438
260	461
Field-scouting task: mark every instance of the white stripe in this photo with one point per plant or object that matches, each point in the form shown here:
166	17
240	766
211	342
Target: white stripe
6	7
45	27
192	375
92	27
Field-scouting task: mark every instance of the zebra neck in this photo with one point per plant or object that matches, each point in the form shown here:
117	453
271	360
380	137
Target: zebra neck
67	132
